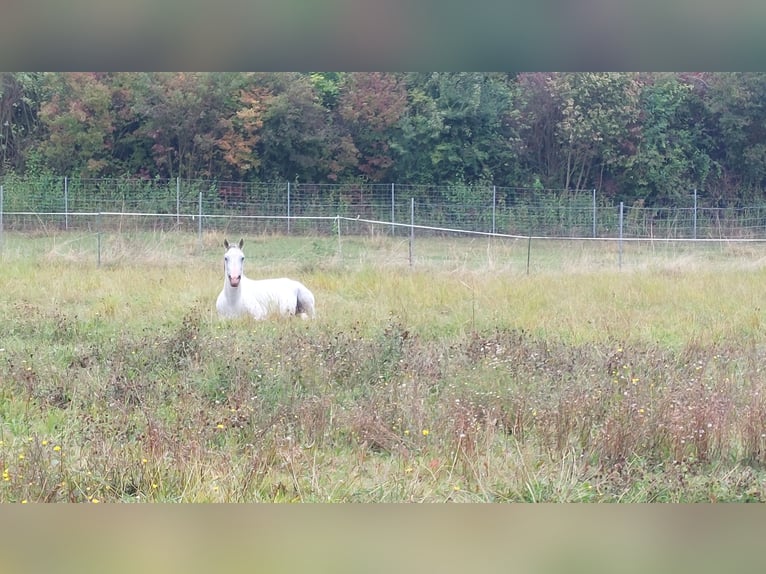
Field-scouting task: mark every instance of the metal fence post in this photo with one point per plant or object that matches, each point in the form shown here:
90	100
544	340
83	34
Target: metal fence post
412	227
529	251
178	201
619	252
337	228
98	239
1	216
695	213
199	225
288	208
66	202
594	212
494	206
393	210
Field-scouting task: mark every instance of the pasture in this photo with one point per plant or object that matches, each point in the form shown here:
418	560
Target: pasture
469	376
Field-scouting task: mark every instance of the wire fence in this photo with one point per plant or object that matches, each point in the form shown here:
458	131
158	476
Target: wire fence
47	203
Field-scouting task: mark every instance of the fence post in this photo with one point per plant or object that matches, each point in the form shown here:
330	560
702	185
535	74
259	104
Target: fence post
393	210
199	225
98	239
337	228
412	227
529	238
594	212
288	208
695	213
178	201
619	251
66	203
494	206
529	251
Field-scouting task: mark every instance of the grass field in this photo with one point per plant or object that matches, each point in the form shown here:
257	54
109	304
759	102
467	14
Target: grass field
488	370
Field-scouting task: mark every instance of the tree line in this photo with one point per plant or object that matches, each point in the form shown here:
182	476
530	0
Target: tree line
637	137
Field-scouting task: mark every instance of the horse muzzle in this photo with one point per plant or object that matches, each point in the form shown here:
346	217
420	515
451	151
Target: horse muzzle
234	281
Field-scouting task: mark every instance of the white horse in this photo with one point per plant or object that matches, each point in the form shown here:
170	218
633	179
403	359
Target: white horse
262	297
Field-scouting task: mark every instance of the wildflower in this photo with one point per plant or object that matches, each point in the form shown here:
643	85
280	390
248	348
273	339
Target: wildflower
95	500
144	461
57	448
425	432
219	426
154	485
45	443
406	432
24	501
21	456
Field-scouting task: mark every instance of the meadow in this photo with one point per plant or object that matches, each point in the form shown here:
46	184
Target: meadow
485	371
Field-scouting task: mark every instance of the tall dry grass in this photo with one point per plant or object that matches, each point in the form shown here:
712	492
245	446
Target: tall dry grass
462	378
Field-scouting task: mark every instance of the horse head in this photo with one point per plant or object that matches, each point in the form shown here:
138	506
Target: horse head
233	262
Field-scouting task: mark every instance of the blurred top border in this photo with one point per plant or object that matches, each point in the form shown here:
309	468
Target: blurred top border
282	35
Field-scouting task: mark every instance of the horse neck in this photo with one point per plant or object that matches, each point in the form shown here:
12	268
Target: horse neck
233	293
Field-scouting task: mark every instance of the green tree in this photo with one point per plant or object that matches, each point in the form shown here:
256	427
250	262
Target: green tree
538	114
299	140
668	154
328	86
454	129
737	104
179	114
239	130
131	147
598	113
417	133
19	117
76	116
369	108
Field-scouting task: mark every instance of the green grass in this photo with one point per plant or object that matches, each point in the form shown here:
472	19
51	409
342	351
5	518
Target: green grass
462	377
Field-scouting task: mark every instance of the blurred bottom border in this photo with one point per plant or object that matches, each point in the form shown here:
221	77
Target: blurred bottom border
380	538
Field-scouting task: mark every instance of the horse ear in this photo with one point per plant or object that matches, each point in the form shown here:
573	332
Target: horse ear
241	242
226	243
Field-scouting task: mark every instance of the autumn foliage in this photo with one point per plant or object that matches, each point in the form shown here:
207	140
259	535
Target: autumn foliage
649	137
